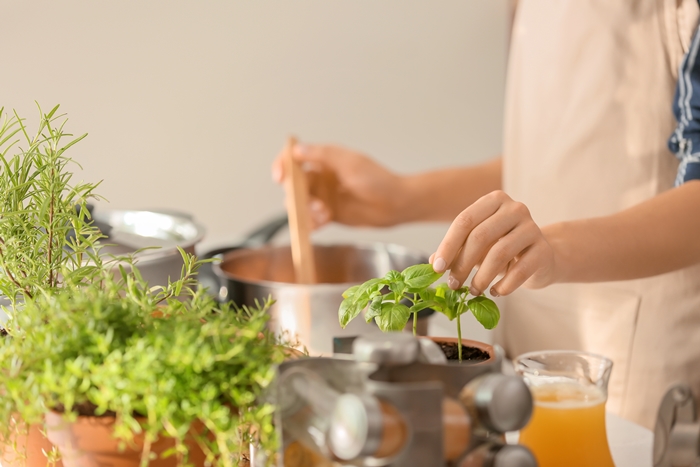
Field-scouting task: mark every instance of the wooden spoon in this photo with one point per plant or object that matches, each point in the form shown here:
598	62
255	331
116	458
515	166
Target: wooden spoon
297	189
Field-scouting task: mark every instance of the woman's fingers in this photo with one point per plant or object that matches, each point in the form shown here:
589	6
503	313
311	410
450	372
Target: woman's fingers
499	236
460	230
532	261
503	252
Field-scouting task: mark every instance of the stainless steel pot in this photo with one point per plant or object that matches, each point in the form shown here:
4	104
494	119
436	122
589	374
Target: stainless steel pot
130	231
308	312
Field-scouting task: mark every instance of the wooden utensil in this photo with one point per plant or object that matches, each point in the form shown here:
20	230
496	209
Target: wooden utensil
297	189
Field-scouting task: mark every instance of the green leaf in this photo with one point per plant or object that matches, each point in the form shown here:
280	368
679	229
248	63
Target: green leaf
348	311
369	289
350	293
423	305
394	317
393	276
485	311
375	308
420	276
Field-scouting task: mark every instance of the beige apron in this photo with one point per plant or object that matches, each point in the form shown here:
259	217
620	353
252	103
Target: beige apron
588	112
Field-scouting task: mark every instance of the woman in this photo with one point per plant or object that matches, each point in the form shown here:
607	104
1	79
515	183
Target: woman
606	249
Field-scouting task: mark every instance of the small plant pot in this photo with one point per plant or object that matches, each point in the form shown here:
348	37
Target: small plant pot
26	449
473	352
90	442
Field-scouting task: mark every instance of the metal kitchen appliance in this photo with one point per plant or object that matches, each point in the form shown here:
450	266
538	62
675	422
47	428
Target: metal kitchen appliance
395	401
677	431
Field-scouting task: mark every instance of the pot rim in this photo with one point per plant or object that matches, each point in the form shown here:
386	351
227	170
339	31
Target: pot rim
377	246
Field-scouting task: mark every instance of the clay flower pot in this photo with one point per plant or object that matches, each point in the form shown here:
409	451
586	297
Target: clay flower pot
473	352
90	442
27	449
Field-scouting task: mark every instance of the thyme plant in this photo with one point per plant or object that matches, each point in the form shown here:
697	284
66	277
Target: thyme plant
45	231
385	300
161	360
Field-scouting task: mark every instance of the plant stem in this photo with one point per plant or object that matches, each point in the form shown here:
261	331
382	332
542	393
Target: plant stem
459	337
415	316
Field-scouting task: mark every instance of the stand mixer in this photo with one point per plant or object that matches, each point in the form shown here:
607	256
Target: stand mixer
395	401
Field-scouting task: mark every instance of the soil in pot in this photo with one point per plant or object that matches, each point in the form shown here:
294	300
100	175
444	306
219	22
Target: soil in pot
469	354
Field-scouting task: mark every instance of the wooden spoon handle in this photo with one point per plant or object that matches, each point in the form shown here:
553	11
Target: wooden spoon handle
297	189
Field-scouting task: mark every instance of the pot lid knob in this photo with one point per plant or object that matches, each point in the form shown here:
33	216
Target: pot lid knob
498	402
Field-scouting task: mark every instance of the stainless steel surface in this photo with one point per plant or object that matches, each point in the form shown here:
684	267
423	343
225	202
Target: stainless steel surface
356	427
309	312
500	403
159	232
430	352
677	431
396	348
418	392
513	456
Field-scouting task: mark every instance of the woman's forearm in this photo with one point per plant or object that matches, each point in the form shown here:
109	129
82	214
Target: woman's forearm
659	235
441	195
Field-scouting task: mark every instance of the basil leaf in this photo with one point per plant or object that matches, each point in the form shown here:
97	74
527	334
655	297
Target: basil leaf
393	276
423	305
375	309
427	294
349	309
369	289
420	276
485	311
398	288
394	317
350	293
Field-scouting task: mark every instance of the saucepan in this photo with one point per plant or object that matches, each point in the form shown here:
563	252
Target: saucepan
256	270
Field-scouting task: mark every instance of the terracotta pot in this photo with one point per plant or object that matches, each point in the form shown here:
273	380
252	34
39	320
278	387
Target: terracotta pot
27	449
469	343
90	442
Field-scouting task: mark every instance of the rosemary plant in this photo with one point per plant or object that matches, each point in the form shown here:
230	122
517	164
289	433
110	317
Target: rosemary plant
45	230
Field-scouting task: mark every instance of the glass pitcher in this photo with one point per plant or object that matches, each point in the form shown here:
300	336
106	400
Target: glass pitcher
569	389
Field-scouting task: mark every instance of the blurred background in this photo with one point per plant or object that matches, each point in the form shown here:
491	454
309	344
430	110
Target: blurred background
186	103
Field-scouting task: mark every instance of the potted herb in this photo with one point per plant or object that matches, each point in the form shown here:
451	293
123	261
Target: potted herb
118	370
45	234
393	299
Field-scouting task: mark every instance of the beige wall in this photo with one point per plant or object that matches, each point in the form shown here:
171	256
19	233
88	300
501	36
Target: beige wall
186	103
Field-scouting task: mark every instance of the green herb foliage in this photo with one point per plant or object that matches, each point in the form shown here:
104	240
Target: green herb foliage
382	298
159	359
45	230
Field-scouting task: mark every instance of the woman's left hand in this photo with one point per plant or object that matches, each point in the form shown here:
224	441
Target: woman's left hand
498	235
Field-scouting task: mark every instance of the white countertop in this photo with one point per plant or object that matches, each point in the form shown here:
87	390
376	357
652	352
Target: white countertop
631	445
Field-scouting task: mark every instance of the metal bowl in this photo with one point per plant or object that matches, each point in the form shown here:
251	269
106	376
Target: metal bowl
160	232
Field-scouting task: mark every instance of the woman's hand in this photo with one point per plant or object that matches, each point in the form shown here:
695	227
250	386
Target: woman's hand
498	235
346	186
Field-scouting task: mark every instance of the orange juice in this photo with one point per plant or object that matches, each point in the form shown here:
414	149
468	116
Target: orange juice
567	428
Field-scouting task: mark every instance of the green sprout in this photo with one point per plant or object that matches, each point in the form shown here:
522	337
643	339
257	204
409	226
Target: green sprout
386	301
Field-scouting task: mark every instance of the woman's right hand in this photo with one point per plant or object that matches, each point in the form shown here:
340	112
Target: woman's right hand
346	186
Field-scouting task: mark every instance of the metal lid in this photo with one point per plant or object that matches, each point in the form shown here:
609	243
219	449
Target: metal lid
677	432
394	348
498	402
356	427
133	230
